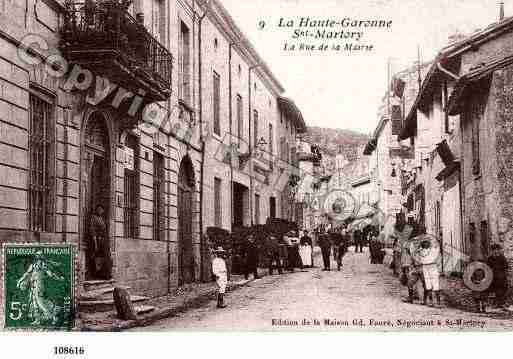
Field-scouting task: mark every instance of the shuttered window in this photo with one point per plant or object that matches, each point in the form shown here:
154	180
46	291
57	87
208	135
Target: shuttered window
158	196
216	103
41	166
257	209
185	66
240	119
217	203
255	128
131	182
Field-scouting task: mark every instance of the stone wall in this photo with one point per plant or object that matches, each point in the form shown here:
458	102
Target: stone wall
502	86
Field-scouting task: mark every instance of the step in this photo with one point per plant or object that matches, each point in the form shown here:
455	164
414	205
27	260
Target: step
97	284
105	305
99	294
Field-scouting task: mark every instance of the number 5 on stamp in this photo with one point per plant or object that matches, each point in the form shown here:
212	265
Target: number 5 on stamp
38	286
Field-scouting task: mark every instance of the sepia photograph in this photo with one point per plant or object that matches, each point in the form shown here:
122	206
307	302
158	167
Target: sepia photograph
255	166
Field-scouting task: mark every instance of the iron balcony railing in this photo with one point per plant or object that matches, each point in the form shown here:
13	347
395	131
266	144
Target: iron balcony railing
96	32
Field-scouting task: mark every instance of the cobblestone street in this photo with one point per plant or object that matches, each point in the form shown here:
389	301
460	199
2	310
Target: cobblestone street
360	297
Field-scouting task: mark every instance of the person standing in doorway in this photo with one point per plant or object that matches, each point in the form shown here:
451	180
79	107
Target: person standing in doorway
99	250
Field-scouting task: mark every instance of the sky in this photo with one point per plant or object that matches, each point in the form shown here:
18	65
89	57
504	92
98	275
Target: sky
341	90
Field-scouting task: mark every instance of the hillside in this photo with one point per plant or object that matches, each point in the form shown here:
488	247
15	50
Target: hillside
331	139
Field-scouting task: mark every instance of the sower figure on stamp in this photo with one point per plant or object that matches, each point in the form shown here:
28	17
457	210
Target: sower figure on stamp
99	247
221	275
35	281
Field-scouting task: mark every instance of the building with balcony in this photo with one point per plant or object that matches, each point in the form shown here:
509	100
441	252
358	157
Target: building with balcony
101	107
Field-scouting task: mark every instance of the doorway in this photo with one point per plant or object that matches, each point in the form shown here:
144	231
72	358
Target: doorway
186	262
240	204
96	192
272	207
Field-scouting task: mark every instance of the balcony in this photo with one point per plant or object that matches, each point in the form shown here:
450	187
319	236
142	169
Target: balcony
104	38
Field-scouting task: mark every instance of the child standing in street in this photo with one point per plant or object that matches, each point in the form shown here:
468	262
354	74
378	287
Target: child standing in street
499	265
220	273
428	258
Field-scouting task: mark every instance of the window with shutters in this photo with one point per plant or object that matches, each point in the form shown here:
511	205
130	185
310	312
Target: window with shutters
257	208
41	163
240	118
132	193
185	66
255	128
216	98
218	215
158	196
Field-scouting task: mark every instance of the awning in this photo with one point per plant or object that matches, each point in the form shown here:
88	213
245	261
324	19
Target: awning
467	83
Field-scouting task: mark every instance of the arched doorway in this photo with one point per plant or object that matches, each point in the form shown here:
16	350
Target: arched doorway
95	182
185	210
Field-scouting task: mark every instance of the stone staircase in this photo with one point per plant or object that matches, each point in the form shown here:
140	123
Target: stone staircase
97	297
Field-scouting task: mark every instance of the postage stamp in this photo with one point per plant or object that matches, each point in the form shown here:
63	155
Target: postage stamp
38	286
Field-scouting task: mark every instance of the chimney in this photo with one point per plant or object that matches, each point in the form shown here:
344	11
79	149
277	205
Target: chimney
501	11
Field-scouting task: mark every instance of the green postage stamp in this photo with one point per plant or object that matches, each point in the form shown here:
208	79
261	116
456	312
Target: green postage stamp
38	286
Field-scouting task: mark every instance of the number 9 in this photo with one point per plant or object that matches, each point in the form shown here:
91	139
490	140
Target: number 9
261	25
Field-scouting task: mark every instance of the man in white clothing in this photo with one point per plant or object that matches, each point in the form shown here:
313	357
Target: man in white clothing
219	270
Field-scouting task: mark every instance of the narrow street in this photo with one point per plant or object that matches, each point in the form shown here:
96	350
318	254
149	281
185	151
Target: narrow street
362	296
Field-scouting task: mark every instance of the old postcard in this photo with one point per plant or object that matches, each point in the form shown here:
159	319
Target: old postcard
272	165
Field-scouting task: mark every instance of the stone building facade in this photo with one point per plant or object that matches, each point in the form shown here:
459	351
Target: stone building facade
68	150
249	153
462	113
131	133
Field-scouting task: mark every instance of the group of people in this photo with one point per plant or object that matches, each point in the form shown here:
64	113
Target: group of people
419	259
421	264
287	253
336	240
